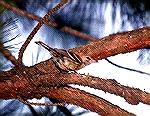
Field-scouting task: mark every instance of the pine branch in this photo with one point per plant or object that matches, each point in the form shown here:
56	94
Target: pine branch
7	54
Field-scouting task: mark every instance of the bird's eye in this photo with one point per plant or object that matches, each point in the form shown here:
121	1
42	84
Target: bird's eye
88	58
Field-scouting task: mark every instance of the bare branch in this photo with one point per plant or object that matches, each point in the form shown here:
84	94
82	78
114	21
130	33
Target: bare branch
48	22
64	29
22	89
115	44
88	101
34	31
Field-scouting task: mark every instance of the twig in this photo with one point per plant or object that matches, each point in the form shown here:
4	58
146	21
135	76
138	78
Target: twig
34	31
130	69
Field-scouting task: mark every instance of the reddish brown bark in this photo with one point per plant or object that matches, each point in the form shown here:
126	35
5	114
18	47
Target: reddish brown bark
44	79
116	44
47	80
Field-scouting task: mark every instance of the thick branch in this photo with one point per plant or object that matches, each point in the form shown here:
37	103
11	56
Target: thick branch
131	95
115	44
88	101
70	95
15	83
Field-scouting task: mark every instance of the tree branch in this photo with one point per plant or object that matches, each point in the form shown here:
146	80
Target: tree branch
115	44
88	101
35	30
48	22
49	81
63	29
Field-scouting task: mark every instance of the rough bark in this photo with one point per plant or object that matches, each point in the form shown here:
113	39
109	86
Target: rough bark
44	79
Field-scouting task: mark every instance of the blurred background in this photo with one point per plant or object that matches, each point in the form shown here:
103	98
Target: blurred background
98	18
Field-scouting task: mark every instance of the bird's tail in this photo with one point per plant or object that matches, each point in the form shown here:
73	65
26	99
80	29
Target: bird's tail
53	51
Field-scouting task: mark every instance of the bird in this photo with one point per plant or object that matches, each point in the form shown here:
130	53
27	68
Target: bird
64	60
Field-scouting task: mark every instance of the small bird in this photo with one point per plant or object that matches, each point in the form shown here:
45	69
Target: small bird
63	59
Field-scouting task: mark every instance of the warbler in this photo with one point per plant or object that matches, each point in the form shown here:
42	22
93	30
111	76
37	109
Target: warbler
63	59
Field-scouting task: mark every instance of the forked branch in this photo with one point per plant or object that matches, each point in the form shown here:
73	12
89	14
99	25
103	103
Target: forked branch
63	29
